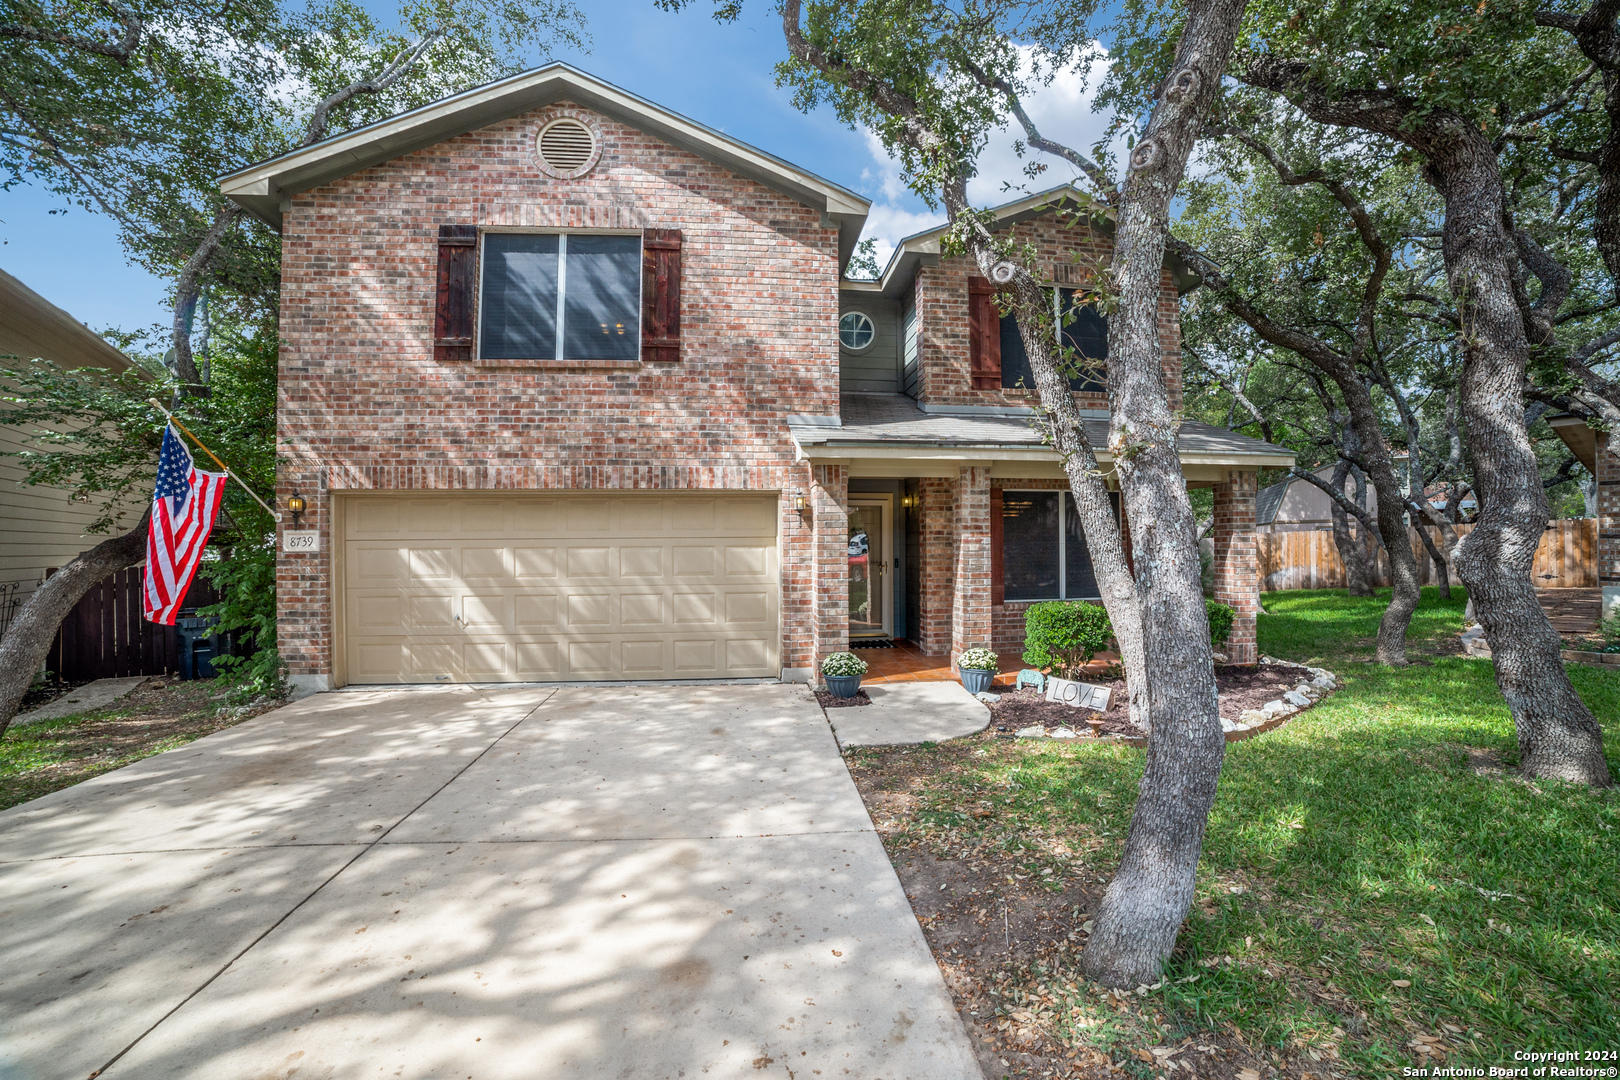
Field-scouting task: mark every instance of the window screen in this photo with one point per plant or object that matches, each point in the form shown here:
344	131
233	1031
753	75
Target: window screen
1087	334
1079	580
604	298
1029	544
519	309
593	281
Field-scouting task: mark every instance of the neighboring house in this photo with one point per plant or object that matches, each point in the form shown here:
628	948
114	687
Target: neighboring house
1295	505
41	528
574	389
1599	451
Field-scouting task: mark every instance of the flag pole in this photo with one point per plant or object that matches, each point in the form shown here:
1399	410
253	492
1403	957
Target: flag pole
222	466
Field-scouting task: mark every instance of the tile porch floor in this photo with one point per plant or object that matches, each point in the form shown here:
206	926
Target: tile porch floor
907	663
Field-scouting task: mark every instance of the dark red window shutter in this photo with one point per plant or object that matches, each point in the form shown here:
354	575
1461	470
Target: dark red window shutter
998	583
984	335
661	295
456	298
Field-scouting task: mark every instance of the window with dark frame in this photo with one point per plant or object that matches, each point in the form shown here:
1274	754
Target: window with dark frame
585	285
1044	555
1084	334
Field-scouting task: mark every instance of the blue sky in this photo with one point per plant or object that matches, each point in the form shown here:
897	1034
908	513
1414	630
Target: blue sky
720	75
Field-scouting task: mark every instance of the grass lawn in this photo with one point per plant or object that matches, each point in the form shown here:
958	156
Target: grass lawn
1374	892
36	759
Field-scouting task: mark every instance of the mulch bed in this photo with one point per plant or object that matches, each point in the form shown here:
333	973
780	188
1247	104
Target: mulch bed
1239	688
995	924
829	702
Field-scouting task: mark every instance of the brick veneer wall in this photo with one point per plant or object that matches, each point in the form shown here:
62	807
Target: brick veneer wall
1237	567
1608	512
364	406
942	307
829	509
971	623
936	512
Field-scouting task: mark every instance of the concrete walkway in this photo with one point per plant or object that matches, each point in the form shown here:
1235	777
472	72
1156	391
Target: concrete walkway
472	882
904	713
83	699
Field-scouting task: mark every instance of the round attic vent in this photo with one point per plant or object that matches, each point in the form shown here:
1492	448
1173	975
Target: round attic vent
567	147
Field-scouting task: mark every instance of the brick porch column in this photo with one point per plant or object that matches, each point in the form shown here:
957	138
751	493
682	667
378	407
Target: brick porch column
829	561
1608	513
971	623
936	516
1237	566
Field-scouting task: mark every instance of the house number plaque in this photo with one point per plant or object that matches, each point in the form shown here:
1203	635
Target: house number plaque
1077	695
301	540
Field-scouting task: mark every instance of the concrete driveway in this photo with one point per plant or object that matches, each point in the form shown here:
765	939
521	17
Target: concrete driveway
472	882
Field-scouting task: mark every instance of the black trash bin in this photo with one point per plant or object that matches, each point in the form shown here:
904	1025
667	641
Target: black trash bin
199	644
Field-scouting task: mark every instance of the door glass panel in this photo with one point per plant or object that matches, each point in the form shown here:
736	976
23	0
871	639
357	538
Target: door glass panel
865	571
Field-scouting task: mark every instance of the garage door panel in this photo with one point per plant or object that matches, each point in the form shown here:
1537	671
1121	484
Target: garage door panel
427	611
642	658
374	566
695	608
482	612
639	611
748	561
431	565
535	563
693	560
589	561
590	659
561	587
536	611
492	564
590	609
641	562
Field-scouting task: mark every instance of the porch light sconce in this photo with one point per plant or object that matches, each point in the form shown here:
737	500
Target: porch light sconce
908	501
295	503
798	502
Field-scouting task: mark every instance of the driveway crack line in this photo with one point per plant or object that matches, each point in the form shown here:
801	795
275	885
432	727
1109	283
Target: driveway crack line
313	892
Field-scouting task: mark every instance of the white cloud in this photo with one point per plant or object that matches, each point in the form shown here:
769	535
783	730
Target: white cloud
1061	111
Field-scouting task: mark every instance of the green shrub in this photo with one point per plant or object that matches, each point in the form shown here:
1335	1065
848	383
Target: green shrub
1220	622
1064	635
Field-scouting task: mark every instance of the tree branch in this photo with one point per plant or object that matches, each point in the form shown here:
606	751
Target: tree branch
122	51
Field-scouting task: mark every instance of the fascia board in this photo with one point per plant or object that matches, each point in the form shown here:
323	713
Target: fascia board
811	448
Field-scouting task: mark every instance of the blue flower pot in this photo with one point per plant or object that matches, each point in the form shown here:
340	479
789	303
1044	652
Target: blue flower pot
843	686
977	682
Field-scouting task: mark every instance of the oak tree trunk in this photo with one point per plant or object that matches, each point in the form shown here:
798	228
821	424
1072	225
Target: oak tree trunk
28	639
1558	737
1143	907
1351	551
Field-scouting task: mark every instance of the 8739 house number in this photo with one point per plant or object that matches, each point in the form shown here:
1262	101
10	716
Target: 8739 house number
301	540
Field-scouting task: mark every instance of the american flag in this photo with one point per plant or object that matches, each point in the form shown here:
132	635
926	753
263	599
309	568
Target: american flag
184	504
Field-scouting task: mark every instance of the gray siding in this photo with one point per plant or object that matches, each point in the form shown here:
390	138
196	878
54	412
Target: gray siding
910	368
877	369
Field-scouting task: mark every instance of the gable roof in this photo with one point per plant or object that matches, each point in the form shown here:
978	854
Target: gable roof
31	326
924	247
265	189
1268	500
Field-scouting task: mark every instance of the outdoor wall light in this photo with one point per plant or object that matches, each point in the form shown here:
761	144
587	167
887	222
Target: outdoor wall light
798	502
295	503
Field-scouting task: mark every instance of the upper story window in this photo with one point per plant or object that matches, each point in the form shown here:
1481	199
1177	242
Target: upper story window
856	331
997	355
561	296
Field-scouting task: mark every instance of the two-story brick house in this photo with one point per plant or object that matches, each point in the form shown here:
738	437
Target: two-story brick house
574	389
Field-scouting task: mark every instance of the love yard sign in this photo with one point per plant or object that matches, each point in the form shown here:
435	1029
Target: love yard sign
1077	695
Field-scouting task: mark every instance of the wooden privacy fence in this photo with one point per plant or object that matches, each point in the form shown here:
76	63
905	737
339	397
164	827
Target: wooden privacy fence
105	637
1566	558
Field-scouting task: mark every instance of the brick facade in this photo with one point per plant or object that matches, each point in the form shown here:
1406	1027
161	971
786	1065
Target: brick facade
829	554
941	297
1237	582
364	406
1608	512
937	521
971	623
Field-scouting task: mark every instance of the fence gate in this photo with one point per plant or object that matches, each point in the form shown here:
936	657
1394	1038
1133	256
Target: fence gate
104	636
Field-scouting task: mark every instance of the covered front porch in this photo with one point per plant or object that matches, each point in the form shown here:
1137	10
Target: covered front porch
937	532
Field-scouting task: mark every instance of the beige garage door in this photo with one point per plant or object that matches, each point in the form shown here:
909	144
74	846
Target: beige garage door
559	587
